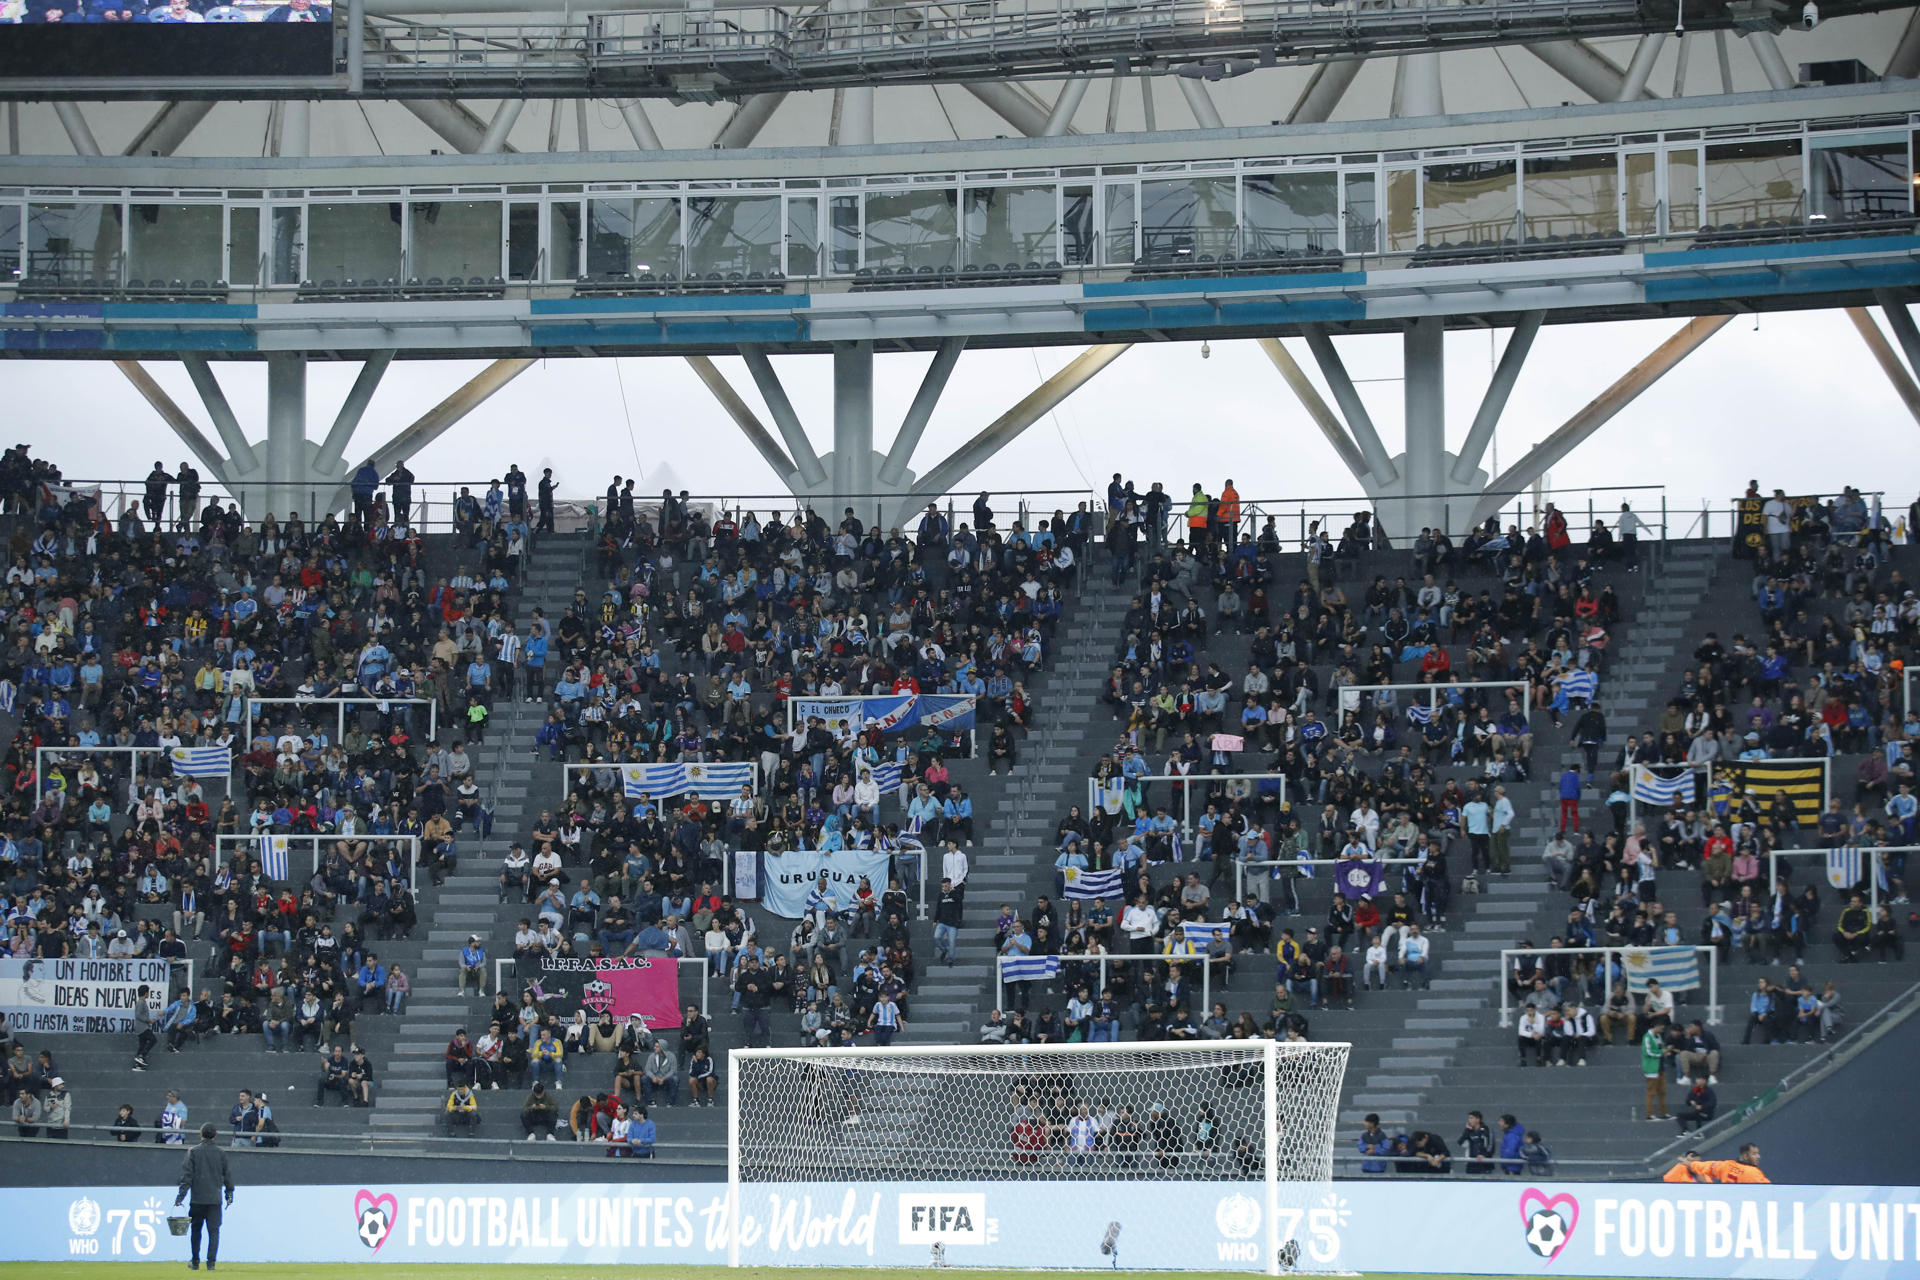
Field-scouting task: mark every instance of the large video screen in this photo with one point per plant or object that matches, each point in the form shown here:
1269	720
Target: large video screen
46	41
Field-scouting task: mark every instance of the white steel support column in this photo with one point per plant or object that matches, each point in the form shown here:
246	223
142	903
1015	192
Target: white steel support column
239	452
1905	62
295	127
1424	349
79	133
287	474
1900	320
1888	359
169	128
1379	466
894	470
1772	61
1582	66
1645	54
1494	403
504	118
1060	119
1005	429
1416	86
748	119
750	426
1013	103
333	450
1324	90
1317	409
854	472
1598	412
1200	102
639	125
806	462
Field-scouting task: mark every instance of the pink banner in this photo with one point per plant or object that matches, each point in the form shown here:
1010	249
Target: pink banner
646	985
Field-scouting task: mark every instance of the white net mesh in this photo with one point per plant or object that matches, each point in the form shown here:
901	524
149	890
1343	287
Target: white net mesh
1069	1113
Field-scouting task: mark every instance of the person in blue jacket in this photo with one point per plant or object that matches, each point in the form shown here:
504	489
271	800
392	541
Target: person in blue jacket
1373	1141
1512	1139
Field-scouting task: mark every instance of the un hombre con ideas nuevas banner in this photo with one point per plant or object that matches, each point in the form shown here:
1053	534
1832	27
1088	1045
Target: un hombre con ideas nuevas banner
55	996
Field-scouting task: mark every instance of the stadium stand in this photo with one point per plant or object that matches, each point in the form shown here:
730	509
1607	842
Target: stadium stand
644	625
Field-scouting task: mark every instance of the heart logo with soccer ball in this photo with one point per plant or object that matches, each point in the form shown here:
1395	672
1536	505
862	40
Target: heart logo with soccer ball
1549	1221
373	1218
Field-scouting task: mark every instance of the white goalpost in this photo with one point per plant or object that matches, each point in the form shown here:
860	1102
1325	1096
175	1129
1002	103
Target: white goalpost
1185	1154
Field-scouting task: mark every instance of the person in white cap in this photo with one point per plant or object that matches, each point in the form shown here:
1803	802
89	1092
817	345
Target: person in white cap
120	946
57	1111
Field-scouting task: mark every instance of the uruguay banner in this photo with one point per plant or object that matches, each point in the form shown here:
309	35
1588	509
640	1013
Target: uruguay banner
1028	968
7	695
949	712
708	781
273	857
746	874
886	777
49	997
1085	886
787	878
1575	684
1204	933
842	715
621	986
1677	968
1663	790
1843	867
1357	878
1419	713
202	762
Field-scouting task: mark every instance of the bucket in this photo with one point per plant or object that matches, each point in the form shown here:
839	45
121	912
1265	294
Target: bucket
177	1224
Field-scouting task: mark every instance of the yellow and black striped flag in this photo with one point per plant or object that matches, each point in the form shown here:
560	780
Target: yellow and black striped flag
1802	781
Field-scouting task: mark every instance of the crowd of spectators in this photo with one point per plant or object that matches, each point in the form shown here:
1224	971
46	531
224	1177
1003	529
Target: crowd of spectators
132	636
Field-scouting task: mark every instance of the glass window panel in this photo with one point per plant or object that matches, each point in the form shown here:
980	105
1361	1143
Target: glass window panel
1642	169
733	233
1076	205
1185	218
458	238
1572	195
1119	235
1683	190
1754	182
523	242
629	237
1470	203
353	242
803	237
243	246
563	240
1289	211
1860	179
1011	225
174	242
73	242
9	239
1363	213
912	229
1403	210
843	234
287	267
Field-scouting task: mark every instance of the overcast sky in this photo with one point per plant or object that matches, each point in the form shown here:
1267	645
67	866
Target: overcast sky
1795	401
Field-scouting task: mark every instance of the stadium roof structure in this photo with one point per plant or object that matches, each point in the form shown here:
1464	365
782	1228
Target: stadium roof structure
698	179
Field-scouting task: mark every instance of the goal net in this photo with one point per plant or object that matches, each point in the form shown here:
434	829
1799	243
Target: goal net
1215	1153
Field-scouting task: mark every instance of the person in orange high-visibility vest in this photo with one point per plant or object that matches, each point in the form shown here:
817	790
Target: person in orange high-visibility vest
1689	1168
1745	1169
1229	517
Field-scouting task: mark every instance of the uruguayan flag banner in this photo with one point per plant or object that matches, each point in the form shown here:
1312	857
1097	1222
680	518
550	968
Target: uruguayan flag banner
1419	713
273	857
708	781
1653	788
1843	866
1029	968
1206	933
886	777
1084	886
202	762
1677	968
787	878
7	694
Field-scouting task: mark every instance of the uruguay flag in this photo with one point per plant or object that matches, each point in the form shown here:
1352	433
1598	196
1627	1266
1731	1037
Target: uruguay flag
1028	968
1657	789
202	762
653	780
1843	866
1677	968
1575	684
1085	886
1204	934
886	777
7	694
718	781
273	857
1419	713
